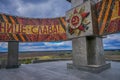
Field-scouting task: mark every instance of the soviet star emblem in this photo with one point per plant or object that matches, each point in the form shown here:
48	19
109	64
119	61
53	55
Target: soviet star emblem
78	21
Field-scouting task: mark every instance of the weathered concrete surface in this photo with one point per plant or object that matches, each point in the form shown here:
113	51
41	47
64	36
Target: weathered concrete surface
79	51
95	51
76	2
90	68
13	49
57	71
87	50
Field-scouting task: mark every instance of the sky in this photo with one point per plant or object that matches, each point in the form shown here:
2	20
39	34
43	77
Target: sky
46	9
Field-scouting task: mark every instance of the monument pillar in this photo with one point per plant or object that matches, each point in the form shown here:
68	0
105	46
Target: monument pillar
88	51
79	51
95	51
13	49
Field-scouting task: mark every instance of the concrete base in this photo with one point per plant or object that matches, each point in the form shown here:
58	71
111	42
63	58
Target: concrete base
57	71
12	67
90	68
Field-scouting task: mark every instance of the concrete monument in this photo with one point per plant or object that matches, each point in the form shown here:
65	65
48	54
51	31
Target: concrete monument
88	52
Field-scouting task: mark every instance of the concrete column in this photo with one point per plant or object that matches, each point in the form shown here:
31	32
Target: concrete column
79	51
95	51
79	45
13	49
88	52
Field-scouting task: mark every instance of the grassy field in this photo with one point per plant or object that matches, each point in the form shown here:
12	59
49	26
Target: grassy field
112	55
26	58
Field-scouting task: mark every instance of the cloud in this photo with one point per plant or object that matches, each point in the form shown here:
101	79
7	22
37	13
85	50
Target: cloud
38	48
112	41
3	45
36	8
46	46
67	43
53	44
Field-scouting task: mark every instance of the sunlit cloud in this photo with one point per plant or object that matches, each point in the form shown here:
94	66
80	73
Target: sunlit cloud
46	46
112	41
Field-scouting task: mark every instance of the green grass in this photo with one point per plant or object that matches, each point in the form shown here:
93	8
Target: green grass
49	57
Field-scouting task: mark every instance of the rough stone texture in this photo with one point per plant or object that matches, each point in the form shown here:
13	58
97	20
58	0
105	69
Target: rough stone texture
12	61
79	51
76	2
90	68
95	51
57	71
87	50
70	15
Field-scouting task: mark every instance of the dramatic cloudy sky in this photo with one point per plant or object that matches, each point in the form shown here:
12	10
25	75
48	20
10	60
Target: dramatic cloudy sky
43	9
